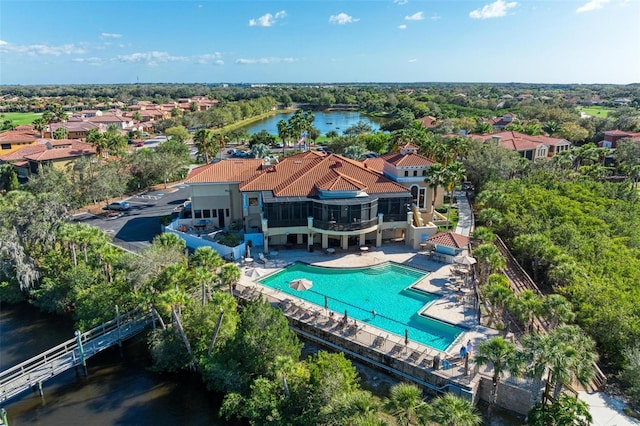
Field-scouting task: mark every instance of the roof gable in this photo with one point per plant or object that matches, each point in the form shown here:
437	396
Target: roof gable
450	239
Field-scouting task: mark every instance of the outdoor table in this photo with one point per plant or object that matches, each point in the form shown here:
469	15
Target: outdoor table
248	260
331	250
364	249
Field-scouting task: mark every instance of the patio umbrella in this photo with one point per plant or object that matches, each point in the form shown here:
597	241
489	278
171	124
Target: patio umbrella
326	302
406	336
464	260
300	284
253	273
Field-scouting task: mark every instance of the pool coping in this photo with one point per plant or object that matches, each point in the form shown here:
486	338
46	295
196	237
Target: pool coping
412	287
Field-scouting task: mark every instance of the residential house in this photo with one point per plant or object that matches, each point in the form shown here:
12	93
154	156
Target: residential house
56	153
13	140
76	129
611	138
499	123
528	146
113	118
428	121
307	199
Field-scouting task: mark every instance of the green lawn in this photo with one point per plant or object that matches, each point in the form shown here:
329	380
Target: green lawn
596	111
19	118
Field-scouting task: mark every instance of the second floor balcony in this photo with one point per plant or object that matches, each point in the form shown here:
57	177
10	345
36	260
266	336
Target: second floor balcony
333	225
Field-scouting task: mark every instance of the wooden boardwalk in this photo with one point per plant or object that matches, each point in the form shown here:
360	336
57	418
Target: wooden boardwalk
72	353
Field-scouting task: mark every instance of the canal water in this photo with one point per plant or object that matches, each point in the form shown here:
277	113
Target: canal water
325	121
118	390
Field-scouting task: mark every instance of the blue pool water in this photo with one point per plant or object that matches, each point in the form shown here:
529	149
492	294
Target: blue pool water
383	289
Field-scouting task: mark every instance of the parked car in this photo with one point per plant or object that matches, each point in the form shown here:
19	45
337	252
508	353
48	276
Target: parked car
118	205
372	155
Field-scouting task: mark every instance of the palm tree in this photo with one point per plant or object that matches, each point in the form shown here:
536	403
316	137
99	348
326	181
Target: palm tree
483	128
490	217
405	401
503	357
435	178
484	235
536	354
573	358
557	310
551	127
526	306
260	150
453	173
40	124
230	275
450	410
497	293
355	152
206	257
283	131
204	142
205	278
489	260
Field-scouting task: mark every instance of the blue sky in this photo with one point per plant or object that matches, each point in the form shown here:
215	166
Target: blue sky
298	41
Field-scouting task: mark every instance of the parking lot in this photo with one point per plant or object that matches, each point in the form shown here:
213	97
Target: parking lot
137	226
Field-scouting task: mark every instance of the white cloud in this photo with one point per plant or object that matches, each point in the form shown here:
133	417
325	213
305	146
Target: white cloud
93	61
151	58
418	16
42	49
267	20
592	5
402	27
401	2
206	58
110	35
342	19
493	10
435	17
271	60
412	60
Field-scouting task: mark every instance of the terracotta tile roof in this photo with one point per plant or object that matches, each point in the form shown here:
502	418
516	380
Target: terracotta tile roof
19	154
450	239
522	142
306	173
17	136
228	170
621	133
75	126
108	118
376	164
409	160
427	121
51	149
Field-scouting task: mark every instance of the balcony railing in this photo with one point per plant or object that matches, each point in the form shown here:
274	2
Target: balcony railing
347	226
395	217
283	223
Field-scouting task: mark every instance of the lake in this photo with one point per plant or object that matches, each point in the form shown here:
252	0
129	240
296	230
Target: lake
325	121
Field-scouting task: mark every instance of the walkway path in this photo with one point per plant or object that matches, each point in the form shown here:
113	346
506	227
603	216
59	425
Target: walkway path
465	215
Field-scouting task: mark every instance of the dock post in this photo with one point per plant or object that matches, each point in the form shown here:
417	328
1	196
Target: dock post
3	417
83	361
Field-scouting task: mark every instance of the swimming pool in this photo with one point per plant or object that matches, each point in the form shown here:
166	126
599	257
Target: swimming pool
383	289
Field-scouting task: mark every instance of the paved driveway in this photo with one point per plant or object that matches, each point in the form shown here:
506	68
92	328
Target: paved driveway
137	227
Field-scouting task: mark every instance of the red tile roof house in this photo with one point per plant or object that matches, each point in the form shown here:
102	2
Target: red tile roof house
307	199
530	147
75	129
611	138
56	153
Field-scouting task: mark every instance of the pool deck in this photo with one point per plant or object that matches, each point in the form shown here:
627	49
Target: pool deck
453	306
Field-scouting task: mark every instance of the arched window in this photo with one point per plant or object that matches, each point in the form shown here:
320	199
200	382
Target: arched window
414	194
